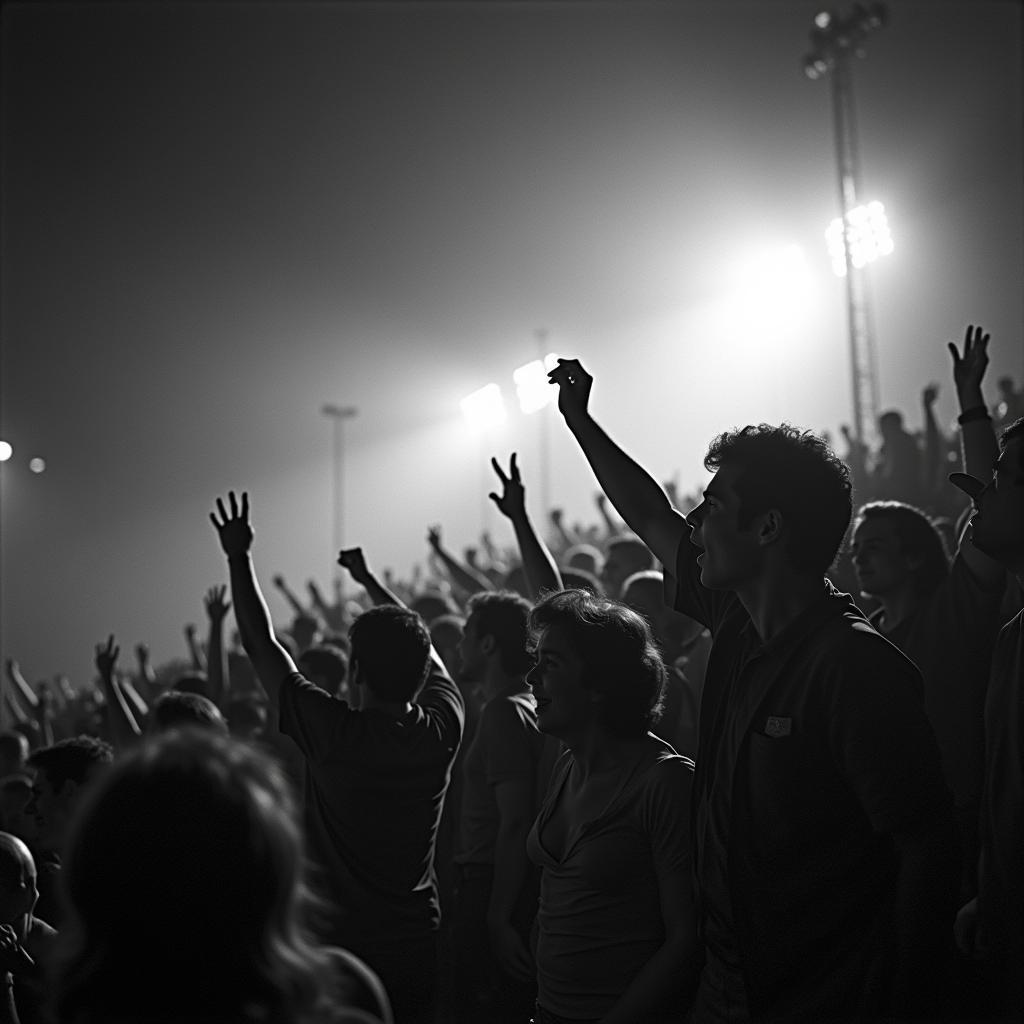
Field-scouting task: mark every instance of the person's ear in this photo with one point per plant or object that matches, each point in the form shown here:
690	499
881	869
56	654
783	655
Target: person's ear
771	527
488	644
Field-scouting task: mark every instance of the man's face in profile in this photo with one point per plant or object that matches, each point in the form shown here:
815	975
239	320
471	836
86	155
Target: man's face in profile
730	555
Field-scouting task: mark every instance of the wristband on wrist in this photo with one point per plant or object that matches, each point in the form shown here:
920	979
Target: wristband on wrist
976	412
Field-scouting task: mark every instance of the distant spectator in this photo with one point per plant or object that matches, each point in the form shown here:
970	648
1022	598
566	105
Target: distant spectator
177	709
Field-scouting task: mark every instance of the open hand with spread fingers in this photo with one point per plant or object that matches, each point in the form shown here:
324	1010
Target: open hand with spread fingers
233	528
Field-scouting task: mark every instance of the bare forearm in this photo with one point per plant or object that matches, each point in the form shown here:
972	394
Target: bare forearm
255	626
511	865
538	564
22	690
636	495
123	727
217	662
462	575
978	444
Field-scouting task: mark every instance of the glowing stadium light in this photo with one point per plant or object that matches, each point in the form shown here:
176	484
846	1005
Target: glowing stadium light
37	465
532	385
484	408
869	237
6	451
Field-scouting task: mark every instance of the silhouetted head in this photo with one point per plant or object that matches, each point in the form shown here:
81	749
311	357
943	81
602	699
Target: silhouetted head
185	878
774	482
890	423
626	555
584	556
62	774
497	626
177	710
13	752
390	652
325	666
18	892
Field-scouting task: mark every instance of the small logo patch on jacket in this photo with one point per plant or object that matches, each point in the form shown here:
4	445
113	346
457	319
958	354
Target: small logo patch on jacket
776	727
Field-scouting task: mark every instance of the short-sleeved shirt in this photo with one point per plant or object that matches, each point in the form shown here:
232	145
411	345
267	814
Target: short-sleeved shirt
949	637
375	787
507	746
600	917
814	750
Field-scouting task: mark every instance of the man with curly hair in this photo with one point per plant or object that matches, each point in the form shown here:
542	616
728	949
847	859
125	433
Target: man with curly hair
823	834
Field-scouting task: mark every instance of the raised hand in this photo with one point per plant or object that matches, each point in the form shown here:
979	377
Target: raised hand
512	502
434	537
106	657
555	515
353	560
233	529
574	384
216	605
279	581
930	395
969	365
142	655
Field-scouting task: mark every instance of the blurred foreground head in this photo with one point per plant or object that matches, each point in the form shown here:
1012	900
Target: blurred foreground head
185	879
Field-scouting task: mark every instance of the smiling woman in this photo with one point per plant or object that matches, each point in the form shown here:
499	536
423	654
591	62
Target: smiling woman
616	938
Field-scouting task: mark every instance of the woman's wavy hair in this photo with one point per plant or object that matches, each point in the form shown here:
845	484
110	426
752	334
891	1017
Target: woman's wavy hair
619	655
185	886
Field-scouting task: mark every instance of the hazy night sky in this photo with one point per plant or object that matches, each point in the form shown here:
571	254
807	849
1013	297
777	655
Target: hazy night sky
217	218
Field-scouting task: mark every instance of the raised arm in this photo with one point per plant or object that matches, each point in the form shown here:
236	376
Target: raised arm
354	562
124	729
465	578
216	653
270	660
556	517
977	437
538	565
195	649
289	595
146	676
23	694
635	494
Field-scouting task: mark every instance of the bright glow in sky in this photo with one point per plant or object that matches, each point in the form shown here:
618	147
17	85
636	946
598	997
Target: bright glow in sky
870	237
219	217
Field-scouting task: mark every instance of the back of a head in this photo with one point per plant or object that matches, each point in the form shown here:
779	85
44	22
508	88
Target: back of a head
185	879
506	617
391	647
192	682
13	752
796	472
178	710
429	607
18	891
583	556
328	663
580	579
620	658
917	536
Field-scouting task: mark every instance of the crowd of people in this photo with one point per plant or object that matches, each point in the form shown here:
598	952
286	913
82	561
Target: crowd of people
756	754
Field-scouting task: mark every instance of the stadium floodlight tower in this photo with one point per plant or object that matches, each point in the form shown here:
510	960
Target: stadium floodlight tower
835	41
337	414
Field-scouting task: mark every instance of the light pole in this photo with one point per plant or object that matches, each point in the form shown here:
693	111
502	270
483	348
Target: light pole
834	41
337	414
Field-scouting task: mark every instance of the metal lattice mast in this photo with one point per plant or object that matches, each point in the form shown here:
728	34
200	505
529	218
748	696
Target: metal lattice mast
836	41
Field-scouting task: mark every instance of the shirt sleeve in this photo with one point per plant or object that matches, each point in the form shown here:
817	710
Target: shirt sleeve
315	720
508	742
439	697
665	814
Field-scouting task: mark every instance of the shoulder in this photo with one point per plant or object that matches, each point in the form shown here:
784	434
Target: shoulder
515	711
